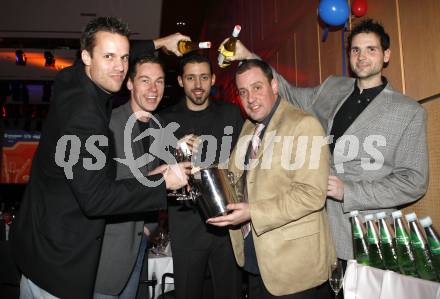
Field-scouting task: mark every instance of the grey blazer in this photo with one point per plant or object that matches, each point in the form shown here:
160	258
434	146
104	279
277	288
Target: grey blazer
122	235
388	165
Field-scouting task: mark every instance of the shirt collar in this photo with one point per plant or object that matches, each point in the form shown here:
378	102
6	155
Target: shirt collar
373	91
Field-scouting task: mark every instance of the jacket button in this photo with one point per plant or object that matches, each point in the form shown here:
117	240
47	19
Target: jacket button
99	238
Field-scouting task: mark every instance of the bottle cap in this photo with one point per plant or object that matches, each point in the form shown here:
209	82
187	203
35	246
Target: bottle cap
425	221
354	213
381	215
205	45
368	217
396	214
236	31
411	217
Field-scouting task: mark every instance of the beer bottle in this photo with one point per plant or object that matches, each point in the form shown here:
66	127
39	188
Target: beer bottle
386	243
424	265
433	242
228	48
405	256
374	252
360	247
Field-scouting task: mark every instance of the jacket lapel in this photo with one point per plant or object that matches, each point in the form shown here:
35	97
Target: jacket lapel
341	91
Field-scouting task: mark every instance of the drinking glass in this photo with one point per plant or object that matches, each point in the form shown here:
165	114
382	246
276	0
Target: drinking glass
183	154
336	276
180	157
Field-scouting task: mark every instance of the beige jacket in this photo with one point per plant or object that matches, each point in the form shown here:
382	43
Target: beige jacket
290	226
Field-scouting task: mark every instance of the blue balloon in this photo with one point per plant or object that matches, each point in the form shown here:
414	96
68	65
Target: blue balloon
334	12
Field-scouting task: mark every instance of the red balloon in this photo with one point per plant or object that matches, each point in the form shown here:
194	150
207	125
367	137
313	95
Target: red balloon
359	7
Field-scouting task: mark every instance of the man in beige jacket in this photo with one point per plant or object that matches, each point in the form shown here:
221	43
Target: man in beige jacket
289	249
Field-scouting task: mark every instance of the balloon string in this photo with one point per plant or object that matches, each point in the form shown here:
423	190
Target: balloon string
344	63
325	34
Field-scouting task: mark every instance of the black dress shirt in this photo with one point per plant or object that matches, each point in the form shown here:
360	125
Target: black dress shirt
352	108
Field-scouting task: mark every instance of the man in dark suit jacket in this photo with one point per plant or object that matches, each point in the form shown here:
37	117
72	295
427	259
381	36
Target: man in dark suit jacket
58	233
124	246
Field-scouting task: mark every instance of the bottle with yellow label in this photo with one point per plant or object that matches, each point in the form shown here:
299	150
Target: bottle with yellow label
186	46
228	48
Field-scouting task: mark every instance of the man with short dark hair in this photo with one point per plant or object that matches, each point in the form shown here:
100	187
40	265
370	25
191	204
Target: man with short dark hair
124	242
197	248
279	232
379	147
58	232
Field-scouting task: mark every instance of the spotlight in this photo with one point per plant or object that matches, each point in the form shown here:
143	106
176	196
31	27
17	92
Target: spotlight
20	57
50	59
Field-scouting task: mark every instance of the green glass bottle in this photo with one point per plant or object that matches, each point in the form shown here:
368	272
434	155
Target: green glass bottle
405	256
374	251
386	244
424	265
360	248
433	243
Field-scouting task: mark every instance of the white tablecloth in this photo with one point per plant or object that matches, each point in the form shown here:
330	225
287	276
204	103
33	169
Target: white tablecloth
159	265
363	282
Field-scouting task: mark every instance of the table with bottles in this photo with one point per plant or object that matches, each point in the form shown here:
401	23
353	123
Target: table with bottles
394	259
414	251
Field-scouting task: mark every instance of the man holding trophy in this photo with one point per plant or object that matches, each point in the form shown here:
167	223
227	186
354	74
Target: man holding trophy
279	231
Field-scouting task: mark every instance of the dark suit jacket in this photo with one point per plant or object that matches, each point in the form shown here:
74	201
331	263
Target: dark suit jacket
58	232
123	234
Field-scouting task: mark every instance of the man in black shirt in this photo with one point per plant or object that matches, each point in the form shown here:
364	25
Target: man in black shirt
198	248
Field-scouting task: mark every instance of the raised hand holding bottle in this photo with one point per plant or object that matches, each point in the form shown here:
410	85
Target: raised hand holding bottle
228	48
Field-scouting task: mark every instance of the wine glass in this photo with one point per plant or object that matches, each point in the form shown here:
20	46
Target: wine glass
180	156
183	153
336	276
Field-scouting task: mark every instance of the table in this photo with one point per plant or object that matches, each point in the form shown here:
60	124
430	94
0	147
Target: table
364	282
159	265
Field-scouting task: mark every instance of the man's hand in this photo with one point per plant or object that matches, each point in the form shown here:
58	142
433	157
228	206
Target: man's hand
159	169
240	214
170	42
241	52
176	175
335	188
